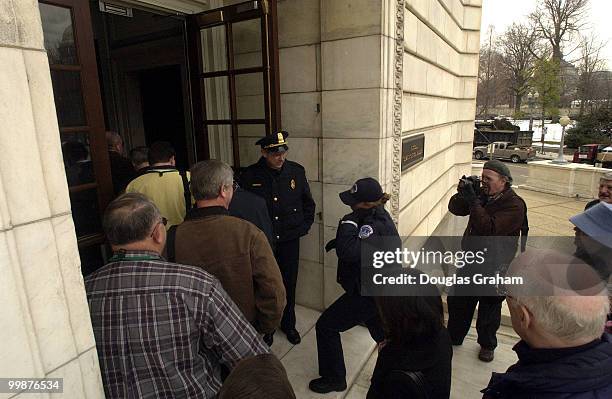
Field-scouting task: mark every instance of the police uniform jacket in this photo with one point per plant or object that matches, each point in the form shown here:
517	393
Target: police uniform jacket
357	227
287	196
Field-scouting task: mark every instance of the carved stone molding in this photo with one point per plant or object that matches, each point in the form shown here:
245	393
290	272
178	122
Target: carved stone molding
397	110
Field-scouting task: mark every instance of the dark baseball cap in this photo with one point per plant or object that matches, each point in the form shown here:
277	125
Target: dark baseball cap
364	190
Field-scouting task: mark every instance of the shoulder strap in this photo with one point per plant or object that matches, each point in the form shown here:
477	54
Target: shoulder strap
524	227
186	190
170	244
417	381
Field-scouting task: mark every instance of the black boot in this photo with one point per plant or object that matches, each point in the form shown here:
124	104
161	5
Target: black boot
325	385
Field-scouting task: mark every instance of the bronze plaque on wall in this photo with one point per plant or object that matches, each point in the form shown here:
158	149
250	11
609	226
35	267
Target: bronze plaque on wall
413	150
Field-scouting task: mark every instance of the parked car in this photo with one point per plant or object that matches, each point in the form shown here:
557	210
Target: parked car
588	153
605	157
504	150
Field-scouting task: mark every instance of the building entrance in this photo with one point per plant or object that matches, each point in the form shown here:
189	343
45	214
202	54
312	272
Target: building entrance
206	82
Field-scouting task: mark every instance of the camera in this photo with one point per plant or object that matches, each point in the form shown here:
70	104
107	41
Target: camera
474	181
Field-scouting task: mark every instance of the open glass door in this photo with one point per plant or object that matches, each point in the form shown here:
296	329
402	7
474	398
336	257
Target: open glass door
72	60
233	60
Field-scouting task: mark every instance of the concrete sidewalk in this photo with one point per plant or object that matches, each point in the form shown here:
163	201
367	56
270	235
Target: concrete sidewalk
548	216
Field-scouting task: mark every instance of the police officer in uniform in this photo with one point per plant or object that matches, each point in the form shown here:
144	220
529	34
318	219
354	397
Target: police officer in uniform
282	183
370	223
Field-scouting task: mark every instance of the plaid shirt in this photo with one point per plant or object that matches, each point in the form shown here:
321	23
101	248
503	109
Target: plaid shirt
163	330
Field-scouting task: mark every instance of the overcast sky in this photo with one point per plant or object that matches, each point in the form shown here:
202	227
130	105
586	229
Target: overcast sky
501	14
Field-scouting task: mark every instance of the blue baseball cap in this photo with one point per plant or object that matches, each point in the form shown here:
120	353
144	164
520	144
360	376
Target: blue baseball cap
596	222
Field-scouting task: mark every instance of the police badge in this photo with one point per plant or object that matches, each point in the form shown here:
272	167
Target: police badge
292	184
365	231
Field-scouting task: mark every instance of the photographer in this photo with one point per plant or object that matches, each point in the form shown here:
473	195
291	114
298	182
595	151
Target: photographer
367	223
494	209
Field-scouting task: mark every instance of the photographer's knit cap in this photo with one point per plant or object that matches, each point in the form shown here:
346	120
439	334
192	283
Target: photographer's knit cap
499	167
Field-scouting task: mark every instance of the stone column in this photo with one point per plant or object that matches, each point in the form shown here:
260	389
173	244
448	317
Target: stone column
357	64
46	329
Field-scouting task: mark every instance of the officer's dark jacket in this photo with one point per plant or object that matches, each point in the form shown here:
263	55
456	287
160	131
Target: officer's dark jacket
287	195
250	207
348	243
584	372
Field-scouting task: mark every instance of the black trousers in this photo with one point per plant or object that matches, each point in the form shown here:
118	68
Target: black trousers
344	314
288	258
460	313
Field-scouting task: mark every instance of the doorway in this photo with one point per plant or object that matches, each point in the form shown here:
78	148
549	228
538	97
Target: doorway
145	80
163	109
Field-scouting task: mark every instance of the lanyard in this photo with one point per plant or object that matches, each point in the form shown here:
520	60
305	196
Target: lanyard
119	257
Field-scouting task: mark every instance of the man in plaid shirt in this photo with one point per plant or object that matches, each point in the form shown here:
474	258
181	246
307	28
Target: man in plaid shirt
162	330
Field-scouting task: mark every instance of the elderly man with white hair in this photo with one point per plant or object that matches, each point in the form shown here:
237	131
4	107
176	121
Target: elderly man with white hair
563	352
604	193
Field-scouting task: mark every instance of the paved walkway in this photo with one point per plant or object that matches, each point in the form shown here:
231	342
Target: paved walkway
470	375
548	216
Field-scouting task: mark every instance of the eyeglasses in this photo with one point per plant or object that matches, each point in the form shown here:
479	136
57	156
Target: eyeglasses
235	185
163	221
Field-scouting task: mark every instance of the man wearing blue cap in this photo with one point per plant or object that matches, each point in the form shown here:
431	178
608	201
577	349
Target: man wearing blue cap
594	241
283	184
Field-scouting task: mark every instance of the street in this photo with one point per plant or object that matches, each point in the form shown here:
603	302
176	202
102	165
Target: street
519	171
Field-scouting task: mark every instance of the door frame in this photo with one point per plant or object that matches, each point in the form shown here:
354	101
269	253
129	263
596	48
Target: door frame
266	11
92	105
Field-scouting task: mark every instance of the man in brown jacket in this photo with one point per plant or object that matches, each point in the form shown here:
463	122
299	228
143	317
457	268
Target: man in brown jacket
232	249
495	210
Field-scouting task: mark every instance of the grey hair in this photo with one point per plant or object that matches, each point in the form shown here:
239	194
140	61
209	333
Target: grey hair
207	178
129	218
606	176
566	318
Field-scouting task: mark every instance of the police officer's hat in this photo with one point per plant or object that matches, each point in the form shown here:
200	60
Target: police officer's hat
275	142
364	190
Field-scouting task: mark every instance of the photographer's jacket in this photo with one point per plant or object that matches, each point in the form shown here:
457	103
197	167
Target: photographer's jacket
502	215
358	226
287	195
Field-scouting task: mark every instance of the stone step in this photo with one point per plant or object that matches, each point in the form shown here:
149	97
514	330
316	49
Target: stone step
301	363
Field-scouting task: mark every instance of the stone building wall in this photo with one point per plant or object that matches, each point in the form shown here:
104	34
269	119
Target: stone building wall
45	330
440	67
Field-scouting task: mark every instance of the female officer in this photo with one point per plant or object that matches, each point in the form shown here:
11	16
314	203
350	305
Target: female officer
368	220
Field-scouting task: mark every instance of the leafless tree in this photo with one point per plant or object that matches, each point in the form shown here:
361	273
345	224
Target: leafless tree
558	22
516	46
590	67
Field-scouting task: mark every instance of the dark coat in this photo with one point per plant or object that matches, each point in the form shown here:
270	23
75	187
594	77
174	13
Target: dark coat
432	358
348	243
250	207
238	254
584	372
592	203
503	216
122	171
287	195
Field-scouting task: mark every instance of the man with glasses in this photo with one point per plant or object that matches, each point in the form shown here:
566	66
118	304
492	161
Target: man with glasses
162	329
233	250
283	184
559	313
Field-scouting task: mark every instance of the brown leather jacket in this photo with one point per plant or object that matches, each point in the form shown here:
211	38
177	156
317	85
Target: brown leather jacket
500	217
503	216
238	254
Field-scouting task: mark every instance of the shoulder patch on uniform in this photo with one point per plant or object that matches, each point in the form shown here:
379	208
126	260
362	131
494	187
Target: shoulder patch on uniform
365	231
